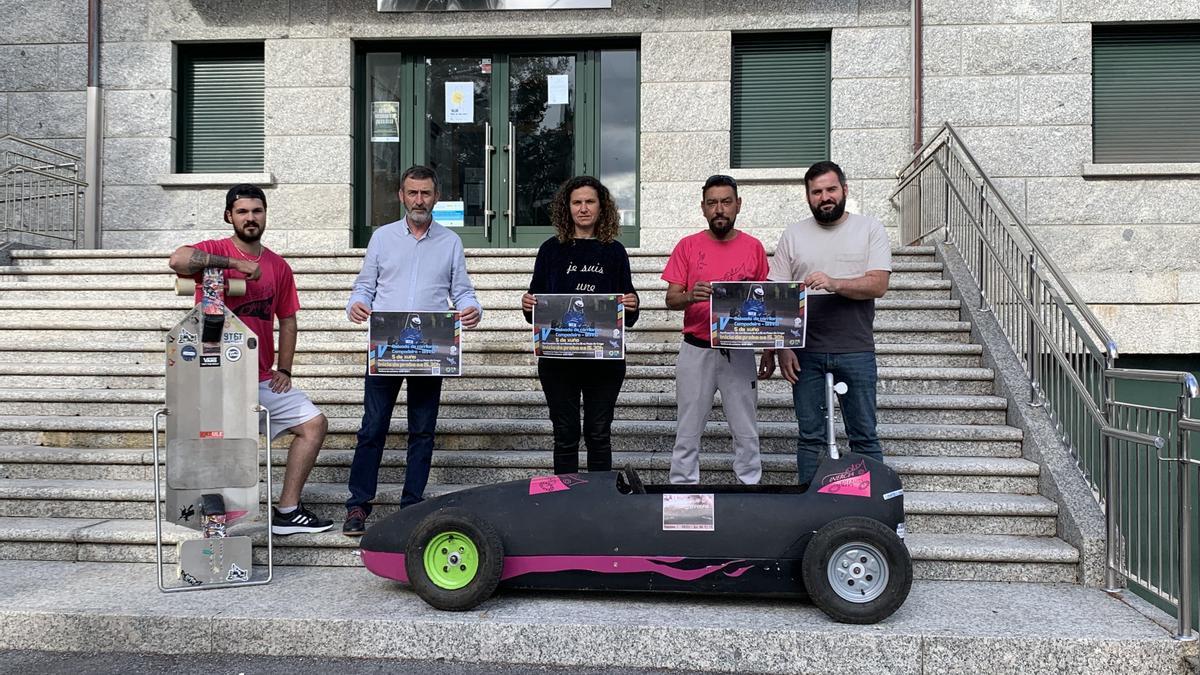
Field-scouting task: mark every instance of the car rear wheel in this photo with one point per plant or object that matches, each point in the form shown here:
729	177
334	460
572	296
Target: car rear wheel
857	570
454	560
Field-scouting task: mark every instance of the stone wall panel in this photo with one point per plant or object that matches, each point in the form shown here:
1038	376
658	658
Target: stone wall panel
72	67
683	156
972	101
1056	99
687	106
38	115
308	111
869	102
151	207
136	65
136	161
28	68
686	57
308	63
990	11
1029	151
870	52
137	113
1027	49
1073	200
870	153
308	159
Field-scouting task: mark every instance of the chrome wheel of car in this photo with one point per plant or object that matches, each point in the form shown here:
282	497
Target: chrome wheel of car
857	572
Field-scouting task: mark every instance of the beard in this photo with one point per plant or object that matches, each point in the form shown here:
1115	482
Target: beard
721	226
246	237
839	208
419	218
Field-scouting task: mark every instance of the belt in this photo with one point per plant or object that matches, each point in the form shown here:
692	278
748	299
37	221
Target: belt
696	342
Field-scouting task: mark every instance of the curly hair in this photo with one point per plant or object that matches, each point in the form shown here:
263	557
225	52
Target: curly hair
608	221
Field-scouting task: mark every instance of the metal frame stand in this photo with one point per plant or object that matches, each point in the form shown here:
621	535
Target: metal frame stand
158	501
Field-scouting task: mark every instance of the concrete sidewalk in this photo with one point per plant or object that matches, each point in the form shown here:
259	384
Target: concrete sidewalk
945	627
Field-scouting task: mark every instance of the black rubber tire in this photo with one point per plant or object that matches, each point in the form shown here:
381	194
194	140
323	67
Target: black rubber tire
842	531
491	560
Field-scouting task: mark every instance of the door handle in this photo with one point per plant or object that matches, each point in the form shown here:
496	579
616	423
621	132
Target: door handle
511	212
488	149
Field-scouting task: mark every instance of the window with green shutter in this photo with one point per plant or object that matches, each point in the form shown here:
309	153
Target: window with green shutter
220	114
780	99
1146	93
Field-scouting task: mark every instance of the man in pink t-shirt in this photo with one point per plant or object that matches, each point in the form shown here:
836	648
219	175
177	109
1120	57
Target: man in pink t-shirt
720	253
270	293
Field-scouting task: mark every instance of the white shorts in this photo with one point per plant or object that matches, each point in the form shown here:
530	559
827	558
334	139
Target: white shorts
289	409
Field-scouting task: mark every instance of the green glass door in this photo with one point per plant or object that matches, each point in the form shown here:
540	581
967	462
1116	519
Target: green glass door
502	130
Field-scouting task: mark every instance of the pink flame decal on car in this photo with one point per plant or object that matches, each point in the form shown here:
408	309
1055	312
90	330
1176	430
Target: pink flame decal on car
391	565
515	566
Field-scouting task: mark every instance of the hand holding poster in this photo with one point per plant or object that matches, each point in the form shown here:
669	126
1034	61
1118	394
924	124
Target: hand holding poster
414	343
758	315
581	326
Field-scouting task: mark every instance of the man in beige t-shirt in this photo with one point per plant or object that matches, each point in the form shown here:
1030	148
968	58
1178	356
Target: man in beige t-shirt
845	261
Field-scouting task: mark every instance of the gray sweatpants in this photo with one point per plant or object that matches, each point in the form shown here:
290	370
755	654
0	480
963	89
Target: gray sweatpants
699	374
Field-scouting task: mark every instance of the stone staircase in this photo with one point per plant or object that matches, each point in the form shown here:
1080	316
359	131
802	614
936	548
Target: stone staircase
81	371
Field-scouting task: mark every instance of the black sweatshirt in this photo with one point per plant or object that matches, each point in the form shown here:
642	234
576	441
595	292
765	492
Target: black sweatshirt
582	266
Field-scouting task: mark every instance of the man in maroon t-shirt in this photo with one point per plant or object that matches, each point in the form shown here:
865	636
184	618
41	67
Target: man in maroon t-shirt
270	293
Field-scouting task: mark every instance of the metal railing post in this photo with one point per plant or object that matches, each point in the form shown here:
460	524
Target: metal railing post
1034	354
1184	523
1110	498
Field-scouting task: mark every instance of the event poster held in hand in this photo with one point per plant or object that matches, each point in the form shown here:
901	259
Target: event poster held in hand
579	326
758	315
415	344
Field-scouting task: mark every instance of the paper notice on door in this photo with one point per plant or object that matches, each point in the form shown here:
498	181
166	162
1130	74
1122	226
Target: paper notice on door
460	103
385	122
558	90
449	214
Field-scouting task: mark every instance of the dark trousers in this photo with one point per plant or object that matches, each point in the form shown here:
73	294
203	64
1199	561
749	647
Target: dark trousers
858	371
379	398
564	381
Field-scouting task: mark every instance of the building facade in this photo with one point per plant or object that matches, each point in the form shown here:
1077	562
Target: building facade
324	102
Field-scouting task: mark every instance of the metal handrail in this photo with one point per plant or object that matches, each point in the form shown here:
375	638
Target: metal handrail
1069	357
38	146
40	198
1107	340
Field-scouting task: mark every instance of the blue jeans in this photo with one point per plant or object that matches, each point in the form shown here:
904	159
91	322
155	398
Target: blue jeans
379	398
858	371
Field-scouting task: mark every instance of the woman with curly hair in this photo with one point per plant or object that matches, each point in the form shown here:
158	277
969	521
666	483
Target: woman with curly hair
584	256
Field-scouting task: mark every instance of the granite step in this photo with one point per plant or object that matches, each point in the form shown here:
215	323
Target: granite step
980	557
46	330
343	613
503	315
55	256
498	353
772	407
927	512
937	381
502	435
350	264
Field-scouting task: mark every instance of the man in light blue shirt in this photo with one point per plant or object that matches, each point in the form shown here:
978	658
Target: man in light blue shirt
412	265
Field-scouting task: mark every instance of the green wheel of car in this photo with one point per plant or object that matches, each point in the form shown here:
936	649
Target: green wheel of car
454	559
451	560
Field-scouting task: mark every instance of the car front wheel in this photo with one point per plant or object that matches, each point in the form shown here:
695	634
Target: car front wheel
454	560
857	570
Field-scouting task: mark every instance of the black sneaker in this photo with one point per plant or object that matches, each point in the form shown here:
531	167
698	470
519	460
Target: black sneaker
356	523
300	520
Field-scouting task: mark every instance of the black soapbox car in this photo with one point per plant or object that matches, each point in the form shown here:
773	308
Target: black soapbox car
838	540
